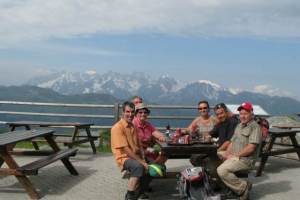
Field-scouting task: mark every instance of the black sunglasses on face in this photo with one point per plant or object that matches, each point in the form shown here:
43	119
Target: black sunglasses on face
220	105
202	108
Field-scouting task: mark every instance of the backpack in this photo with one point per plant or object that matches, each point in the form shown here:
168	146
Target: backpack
264	124
194	184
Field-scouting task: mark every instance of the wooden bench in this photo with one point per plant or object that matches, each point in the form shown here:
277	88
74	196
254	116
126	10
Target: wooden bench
33	167
269	151
67	140
10	139
75	138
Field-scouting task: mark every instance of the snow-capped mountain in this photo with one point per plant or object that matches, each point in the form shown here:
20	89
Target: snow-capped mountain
126	85
163	90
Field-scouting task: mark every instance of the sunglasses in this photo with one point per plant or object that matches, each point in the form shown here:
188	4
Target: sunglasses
143	112
220	105
202	108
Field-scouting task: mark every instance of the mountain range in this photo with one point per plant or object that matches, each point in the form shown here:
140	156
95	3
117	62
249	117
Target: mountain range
163	90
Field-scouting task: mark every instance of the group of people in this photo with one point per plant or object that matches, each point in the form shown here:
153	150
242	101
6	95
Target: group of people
238	142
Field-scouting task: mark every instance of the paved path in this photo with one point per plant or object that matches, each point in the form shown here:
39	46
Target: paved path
100	179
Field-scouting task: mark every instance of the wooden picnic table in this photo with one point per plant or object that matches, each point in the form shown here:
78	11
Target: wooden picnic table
274	134
10	139
286	126
186	150
75	139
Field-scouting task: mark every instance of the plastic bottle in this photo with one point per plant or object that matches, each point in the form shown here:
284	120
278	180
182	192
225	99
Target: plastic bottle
176	136
167	132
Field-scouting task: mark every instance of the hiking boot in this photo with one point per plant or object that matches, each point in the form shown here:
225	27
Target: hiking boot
229	194
150	189
143	196
245	194
130	196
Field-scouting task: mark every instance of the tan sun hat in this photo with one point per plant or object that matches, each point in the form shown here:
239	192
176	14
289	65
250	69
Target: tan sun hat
141	106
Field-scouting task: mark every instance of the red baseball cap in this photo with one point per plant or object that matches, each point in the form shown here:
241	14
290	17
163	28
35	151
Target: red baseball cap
246	106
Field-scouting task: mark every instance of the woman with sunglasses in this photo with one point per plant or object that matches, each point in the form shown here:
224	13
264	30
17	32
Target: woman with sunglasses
148	134
203	124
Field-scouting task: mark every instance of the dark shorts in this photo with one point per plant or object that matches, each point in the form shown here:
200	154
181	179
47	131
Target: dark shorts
135	168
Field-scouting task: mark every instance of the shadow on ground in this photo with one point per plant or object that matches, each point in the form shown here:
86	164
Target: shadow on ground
52	180
262	190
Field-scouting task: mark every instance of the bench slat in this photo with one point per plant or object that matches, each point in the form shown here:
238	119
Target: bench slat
33	167
67	140
93	134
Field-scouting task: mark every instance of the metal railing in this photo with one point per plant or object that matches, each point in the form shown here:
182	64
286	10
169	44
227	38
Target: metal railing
115	110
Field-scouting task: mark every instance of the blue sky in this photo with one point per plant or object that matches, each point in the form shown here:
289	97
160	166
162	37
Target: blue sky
248	45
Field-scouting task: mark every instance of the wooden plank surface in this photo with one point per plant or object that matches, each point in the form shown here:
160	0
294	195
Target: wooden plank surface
21	135
180	149
32	168
44	123
282	132
286	126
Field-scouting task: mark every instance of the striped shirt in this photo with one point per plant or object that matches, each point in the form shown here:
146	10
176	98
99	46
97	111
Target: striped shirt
245	134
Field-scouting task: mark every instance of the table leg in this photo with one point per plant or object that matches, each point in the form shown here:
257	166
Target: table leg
25	182
88	132
75	134
65	161
1	162
12	128
295	144
264	157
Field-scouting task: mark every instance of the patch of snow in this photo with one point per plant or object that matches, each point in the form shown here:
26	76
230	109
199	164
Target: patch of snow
134	85
163	87
97	86
69	77
214	85
235	91
91	72
48	84
86	91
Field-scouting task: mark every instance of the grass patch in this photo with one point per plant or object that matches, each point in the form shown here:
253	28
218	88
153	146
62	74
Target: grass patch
24	145
28	144
103	148
105	137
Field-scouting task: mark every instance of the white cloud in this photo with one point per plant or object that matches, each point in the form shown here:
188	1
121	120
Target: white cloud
16	73
23	20
269	90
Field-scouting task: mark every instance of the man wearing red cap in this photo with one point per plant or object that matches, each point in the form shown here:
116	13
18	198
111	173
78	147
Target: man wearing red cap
241	152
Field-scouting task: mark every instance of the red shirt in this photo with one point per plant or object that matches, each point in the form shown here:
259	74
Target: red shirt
144	132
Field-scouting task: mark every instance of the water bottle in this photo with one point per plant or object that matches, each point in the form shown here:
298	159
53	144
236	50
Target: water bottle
167	132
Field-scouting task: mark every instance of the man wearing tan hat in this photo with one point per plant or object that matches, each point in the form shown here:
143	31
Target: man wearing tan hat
241	152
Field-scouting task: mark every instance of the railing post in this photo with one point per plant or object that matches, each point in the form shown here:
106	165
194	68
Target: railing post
116	112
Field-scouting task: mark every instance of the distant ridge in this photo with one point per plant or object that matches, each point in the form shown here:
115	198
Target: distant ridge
37	94
164	90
